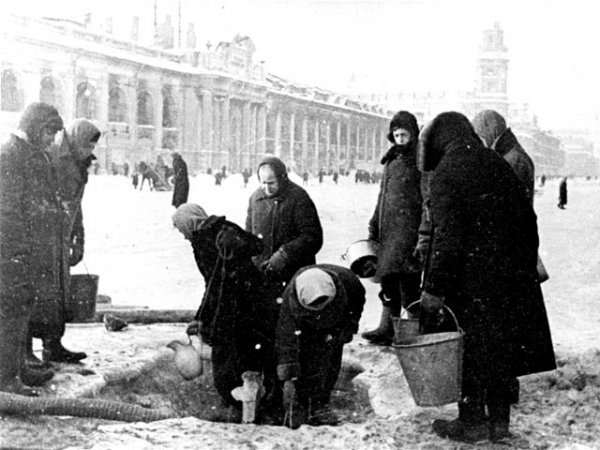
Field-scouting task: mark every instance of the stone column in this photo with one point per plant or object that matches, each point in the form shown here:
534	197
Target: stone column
278	133
382	141
216	131
304	142
316	163
132	109
207	126
348	143
253	134
358	142
338	144
374	158
262	130
226	130
158	118
292	135
246	125
328	145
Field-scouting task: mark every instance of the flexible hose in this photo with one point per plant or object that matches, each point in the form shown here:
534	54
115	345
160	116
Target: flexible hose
79	407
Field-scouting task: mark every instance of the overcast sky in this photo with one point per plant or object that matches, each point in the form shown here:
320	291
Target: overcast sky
407	45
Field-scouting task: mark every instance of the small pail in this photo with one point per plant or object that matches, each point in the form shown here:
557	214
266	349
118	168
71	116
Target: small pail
362	257
432	365
81	307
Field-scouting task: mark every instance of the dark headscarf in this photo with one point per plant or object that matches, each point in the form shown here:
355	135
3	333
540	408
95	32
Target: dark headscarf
36	117
489	125
440	135
278	167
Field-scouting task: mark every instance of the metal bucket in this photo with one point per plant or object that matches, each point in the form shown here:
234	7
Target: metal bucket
362	257
81	307
432	365
404	327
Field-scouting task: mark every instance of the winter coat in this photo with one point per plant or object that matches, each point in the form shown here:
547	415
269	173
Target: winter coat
288	221
395	222
239	310
314	355
182	183
482	260
562	192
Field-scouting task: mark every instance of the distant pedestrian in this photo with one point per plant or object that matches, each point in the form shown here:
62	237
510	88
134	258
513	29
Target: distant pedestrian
126	168
305	179
335	177
543	180
246	176
562	193
321	173
135	179
182	182
218	178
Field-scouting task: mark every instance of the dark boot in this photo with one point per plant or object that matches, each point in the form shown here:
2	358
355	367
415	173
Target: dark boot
35	377
54	351
514	387
471	426
32	361
384	333
12	357
498	403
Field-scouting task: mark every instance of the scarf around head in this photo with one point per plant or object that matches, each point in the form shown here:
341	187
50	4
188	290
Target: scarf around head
189	218
312	285
81	133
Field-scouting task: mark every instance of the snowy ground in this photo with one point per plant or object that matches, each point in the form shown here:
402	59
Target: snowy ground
143	261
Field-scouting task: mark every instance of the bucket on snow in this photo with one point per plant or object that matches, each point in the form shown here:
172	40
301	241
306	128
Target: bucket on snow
81	307
432	365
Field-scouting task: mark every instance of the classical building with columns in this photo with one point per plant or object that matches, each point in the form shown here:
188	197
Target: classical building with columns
215	106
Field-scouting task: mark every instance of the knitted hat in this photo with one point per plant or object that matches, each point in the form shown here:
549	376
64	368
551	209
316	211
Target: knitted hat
315	289
404	119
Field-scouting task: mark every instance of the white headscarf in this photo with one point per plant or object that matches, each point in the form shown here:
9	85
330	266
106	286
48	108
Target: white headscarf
315	284
188	218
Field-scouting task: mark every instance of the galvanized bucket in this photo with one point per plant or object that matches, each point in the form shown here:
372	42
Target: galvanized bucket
432	365
81	307
404	327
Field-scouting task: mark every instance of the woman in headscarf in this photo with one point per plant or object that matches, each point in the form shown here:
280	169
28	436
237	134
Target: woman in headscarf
30	220
71	157
482	265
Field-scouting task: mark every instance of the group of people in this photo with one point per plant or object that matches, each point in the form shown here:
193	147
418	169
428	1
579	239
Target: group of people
43	173
268	306
456	228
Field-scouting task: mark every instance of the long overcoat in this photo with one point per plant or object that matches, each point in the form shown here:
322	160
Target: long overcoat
482	259
395	222
287	220
182	182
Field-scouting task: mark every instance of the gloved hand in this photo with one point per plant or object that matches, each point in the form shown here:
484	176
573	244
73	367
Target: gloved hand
76	254
289	394
431	303
277	261
193	328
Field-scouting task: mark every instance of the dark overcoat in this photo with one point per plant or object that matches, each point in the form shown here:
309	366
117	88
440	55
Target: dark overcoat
482	259
182	182
310	343
395	222
287	220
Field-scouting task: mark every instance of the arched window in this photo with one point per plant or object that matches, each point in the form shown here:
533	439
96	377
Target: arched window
50	92
169	111
117	105
10	93
144	109
85	101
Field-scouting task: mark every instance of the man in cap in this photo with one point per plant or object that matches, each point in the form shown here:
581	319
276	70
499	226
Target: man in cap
29	217
321	308
395	225
283	215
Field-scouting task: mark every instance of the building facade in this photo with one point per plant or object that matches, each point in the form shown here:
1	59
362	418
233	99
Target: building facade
215	106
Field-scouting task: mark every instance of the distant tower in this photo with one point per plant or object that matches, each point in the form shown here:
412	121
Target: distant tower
492	71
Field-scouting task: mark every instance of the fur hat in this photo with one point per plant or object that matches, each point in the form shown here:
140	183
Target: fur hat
404	119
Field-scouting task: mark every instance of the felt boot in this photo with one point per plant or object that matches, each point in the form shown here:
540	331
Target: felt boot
471	426
12	358
54	351
384	333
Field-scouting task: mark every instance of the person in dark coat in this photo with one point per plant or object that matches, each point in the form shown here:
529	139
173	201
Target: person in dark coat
238	313
395	225
182	182
71	158
491	128
321	309
482	265
562	193
284	216
29	219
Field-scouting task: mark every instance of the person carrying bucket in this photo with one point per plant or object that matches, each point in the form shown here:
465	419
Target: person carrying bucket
71	156
482	265
395	226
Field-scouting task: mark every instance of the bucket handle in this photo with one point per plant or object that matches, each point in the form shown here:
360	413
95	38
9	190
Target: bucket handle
458	328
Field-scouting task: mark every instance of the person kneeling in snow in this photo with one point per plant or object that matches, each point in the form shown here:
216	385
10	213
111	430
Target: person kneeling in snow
321	308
